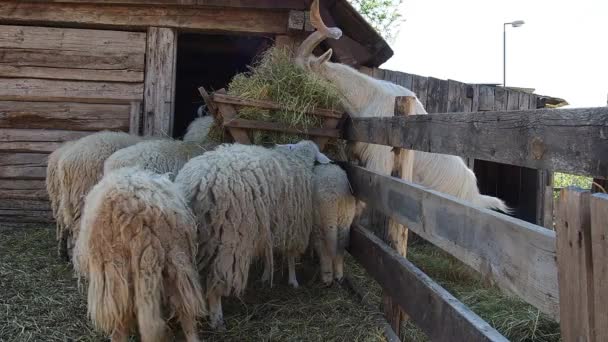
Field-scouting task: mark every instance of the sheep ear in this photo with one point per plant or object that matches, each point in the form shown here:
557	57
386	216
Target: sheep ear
323	58
322	159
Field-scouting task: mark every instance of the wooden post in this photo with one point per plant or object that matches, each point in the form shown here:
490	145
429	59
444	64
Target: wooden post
575	274
159	85
599	252
135	118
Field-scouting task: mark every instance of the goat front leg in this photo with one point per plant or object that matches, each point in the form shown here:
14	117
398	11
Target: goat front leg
188	325
216	316
291	265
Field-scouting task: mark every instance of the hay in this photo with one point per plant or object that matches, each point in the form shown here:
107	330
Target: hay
275	77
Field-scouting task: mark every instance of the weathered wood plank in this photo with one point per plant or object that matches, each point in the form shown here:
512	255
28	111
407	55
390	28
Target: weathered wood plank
27	89
98	43
575	273
419	87
23	189
441	316
227	113
457	97
486	98
512	100
599	252
568	140
135	118
278	127
64	115
437	96
141	17
23	165
266	4
35	141
500	98
24	204
26	216
159	101
517	255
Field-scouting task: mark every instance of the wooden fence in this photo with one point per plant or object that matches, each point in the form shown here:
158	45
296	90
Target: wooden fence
559	272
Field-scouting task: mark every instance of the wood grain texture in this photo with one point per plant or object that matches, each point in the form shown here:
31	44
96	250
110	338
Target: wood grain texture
518	256
25	216
35	140
278	127
437	96
64	115
159	99
599	252
434	310
568	140
575	275
486	98
135	118
23	165
23	189
266	4
124	16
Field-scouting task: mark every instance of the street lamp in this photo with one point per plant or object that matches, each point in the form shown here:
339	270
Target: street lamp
516	23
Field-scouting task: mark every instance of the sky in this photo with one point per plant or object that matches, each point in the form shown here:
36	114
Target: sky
561	50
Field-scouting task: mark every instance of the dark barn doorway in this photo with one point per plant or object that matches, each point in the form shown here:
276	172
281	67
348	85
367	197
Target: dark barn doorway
209	61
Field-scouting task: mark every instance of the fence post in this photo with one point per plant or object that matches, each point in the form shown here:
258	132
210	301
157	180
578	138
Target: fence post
575	273
599	252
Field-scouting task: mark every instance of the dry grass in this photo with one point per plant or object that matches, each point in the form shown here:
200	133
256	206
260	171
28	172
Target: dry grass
39	301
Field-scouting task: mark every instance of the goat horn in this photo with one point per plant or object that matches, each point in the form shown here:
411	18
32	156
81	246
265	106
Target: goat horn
308	45
317	22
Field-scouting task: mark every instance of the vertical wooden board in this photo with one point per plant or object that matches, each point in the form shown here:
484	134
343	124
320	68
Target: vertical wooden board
599	252
524	101
457	97
437	97
512	100
486	98
135	118
475	98
574	262
419	87
533	101
159	88
548	200
405	80
500	98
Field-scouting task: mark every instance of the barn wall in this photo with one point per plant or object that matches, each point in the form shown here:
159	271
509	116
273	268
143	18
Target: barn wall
524	189
58	85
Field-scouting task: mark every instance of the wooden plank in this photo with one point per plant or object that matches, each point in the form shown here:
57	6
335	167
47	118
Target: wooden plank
35	141
457	99
524	100
512	100
27	89
226	112
141	17
23	165
518	256
547	203
25	204
96	43
500	98
71	65
575	273
486	98
474	89
23	189
264	4
239	101
279	127
568	140
26	216
599	252
328	124
419	87
437	97
159	101
441	316
64	115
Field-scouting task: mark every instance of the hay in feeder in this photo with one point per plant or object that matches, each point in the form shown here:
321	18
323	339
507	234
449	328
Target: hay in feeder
275	77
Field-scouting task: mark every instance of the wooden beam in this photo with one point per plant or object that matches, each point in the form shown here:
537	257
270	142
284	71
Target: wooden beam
599	252
126	16
575	265
279	127
518	256
23	189
264	4
23	165
159	99
64	115
568	140
239	101
35	140
434	310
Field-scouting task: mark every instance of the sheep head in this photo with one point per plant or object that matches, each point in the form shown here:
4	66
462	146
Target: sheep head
308	149
304	55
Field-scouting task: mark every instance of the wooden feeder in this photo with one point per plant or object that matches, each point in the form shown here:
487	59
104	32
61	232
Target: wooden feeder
224	109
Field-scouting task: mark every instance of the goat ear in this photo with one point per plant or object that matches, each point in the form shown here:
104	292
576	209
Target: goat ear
322	59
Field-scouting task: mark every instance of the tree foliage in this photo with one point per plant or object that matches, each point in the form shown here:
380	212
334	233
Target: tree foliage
383	15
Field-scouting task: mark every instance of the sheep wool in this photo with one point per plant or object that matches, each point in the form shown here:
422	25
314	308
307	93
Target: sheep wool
334	213
53	185
80	167
250	198
137	247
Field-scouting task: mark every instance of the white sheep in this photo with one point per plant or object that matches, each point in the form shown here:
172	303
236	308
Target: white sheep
165	155
79	168
137	248
251	199
365	96
334	213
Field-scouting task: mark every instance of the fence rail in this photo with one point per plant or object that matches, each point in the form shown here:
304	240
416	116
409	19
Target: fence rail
568	140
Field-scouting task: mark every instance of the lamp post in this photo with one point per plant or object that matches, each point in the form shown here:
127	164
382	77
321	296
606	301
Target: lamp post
516	23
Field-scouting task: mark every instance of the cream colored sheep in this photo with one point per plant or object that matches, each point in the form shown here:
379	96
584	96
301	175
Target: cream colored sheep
137	248
250	198
335	208
80	167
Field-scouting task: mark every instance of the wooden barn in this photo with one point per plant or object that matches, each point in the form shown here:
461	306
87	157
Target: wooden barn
69	68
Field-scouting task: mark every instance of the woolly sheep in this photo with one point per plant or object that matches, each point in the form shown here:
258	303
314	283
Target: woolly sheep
53	183
251	199
365	96
165	155
79	168
137	248
334	213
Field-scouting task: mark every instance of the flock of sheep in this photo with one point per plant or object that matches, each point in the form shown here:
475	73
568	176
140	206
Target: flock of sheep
163	229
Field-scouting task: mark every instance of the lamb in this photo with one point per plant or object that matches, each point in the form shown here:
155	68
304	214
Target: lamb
165	155
79	168
364	96
251	199
137	248
334	213
53	183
